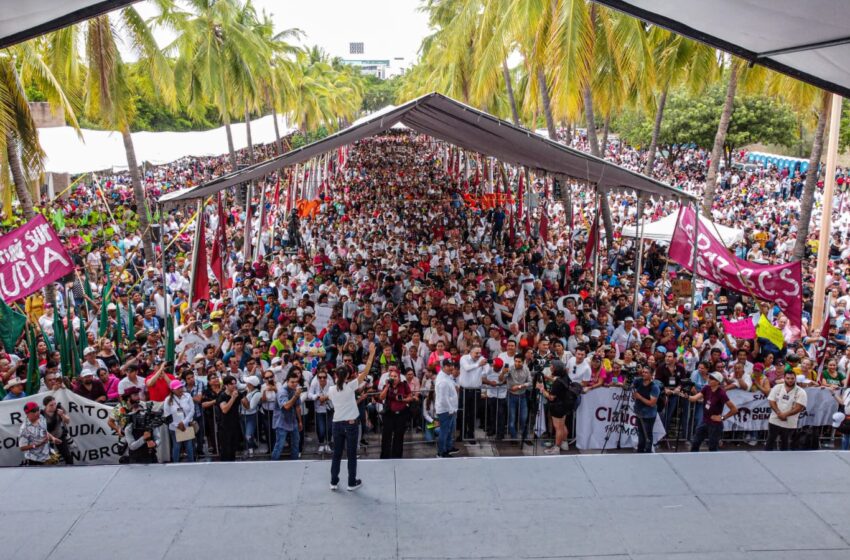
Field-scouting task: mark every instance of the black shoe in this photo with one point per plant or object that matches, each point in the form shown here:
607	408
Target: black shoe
357	484
528	442
471	442
363	442
453	451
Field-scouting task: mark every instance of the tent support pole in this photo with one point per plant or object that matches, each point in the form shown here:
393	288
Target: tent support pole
694	265
826	215
639	255
195	249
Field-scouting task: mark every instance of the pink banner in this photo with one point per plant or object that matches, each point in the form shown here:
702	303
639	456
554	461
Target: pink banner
739	329
779	284
31	257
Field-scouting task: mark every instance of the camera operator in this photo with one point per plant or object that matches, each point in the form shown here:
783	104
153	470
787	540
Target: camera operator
396	397
57	425
142	438
670	375
646	391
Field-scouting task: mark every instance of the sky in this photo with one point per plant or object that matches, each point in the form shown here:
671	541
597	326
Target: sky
388	28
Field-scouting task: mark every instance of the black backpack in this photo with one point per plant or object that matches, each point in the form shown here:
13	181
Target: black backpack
574	392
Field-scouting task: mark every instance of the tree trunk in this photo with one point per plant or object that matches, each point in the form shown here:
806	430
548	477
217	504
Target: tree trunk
605	129
719	141
547	104
19	178
139	195
656	132
593	141
506	74
811	182
278	142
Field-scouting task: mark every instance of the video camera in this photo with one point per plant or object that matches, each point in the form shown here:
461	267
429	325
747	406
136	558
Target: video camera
147	419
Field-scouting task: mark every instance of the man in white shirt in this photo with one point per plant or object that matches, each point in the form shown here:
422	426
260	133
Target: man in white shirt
497	400
578	368
472	369
445	405
625	335
787	400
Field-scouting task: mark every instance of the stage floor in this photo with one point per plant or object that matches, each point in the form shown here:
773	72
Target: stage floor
730	505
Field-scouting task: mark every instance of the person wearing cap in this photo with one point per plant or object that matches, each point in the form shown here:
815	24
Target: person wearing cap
15	389
249	410
714	399
90	387
625	335
181	408
90	360
787	400
33	438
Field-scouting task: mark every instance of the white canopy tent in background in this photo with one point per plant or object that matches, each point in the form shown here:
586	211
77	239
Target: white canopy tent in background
102	149
662	230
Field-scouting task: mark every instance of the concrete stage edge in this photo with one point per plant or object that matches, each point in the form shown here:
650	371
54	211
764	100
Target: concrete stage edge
730	505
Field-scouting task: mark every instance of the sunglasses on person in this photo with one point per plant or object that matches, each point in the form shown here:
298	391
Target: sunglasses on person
269	378
323	377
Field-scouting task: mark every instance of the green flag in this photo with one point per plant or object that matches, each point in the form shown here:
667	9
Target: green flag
87	285
105	300
131	321
169	340
12	325
33	373
46	339
119	334
62	345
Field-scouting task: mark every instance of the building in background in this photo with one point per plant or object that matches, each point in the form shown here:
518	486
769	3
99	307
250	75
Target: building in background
381	68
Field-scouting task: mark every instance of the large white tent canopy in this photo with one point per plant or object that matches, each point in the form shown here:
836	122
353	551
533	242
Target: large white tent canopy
449	120
806	39
662	230
22	19
103	150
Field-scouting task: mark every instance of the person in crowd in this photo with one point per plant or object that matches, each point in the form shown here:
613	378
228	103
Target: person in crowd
396	397
787	401
646	391
180	407
57	422
287	421
34	439
446	406
714	399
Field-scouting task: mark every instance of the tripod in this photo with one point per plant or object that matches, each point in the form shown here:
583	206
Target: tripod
618	424
532	413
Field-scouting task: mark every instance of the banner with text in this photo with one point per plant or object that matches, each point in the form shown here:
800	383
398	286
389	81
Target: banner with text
754	410
94	441
779	284
603	411
31	257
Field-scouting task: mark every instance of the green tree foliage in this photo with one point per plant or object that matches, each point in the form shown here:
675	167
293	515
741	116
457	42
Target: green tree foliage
378	93
693	120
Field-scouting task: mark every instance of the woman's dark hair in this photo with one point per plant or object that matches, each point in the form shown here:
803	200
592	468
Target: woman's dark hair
47	400
341	376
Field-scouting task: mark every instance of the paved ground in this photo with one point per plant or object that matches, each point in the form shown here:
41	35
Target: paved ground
731	505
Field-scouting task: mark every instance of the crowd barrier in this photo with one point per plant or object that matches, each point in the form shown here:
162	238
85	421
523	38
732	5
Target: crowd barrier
604	419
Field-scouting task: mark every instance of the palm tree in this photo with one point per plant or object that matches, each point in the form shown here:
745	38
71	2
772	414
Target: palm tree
22	154
720	138
679	61
218	49
105	87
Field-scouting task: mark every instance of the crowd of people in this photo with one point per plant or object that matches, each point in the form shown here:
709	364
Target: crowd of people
399	283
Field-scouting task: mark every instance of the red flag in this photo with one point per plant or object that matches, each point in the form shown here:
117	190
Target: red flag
592	241
544	224
519	197
200	280
219	249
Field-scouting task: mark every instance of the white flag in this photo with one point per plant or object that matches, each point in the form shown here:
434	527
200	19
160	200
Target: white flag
519	310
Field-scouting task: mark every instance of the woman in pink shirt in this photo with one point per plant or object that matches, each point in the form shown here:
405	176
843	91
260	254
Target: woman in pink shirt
110	383
438	356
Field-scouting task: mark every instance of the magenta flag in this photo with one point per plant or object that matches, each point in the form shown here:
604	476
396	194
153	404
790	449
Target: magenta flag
31	257
740	329
779	284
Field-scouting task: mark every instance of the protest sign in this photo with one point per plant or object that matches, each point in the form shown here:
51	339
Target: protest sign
94	441
739	329
31	257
